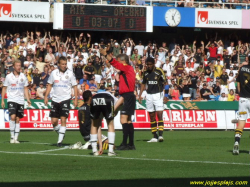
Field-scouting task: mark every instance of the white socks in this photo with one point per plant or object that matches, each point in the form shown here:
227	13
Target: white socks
56	128
12	129
17	130
61	131
93	140
111	138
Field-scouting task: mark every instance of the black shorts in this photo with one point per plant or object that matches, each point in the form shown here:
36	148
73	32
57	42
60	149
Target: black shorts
102	104
60	109
15	108
129	103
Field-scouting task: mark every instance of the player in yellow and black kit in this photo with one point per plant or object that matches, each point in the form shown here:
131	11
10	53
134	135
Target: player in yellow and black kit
243	80
154	78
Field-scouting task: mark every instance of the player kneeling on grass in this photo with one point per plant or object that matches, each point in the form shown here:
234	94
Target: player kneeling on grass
154	78
16	85
243	80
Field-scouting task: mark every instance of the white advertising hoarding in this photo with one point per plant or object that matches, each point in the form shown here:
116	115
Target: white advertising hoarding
24	11
38	119
218	18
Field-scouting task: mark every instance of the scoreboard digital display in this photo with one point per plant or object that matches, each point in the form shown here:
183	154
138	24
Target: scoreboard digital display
111	18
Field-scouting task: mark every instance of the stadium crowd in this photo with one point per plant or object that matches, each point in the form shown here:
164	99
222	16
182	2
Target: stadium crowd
198	71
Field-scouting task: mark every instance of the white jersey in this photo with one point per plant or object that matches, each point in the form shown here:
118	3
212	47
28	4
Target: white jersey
15	87
62	84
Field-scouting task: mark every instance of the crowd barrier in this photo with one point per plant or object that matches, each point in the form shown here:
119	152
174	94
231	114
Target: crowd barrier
177	115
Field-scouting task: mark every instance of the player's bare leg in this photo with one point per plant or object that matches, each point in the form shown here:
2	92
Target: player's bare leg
54	122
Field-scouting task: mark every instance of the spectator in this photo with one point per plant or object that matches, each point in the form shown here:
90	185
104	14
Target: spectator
40	91
33	92
231	96
205	92
192	89
175	93
50	58
89	70
212	51
45	75
223	97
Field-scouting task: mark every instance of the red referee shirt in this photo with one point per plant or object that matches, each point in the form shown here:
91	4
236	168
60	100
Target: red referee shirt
127	77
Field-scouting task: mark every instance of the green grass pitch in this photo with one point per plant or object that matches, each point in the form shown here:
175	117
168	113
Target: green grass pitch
184	156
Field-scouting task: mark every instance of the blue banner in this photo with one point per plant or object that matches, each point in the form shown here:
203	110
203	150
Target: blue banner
174	17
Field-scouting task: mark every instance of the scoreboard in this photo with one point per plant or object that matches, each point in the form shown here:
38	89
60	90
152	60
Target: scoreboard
103	17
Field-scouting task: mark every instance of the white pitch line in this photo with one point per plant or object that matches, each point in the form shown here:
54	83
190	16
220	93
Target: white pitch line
123	158
49	150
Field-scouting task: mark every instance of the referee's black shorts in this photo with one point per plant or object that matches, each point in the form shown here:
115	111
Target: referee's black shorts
59	110
129	103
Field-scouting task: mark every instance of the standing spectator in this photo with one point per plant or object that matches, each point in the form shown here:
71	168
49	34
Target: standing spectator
231	81
212	51
193	87
40	64
179	68
36	77
224	78
218	69
140	48
175	93
186	94
230	49
89	70
50	58
116	49
78	70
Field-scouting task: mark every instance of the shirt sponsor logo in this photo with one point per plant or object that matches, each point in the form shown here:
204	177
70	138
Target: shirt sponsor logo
152	82
5	10
13	85
56	81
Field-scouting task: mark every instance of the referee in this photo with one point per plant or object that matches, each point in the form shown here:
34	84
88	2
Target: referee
62	80
126	90
154	78
243	80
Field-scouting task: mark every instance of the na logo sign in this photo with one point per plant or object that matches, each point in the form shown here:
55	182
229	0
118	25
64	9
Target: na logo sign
202	17
5	10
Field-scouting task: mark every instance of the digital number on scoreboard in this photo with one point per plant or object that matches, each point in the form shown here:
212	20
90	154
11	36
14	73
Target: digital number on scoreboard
111	18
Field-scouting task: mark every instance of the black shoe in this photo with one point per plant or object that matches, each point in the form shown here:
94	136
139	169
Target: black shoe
131	147
59	145
122	147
